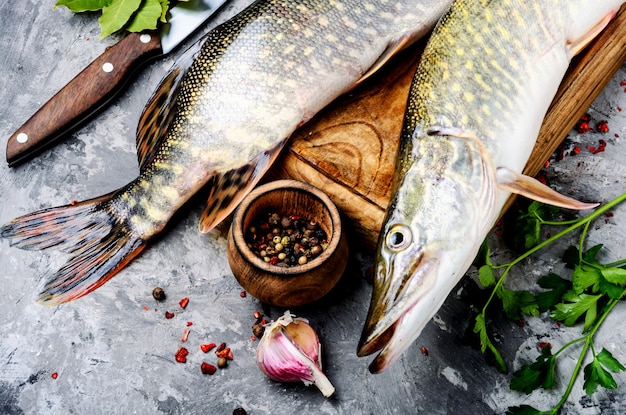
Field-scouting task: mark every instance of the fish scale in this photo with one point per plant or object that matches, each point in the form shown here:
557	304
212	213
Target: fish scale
218	119
484	83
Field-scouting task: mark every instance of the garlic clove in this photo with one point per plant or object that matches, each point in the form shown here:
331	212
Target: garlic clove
289	351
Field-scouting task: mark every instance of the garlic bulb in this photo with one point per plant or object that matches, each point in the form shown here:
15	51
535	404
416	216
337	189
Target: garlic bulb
289	351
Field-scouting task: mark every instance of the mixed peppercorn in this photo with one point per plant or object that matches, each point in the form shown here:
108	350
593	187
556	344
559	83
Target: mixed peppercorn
286	240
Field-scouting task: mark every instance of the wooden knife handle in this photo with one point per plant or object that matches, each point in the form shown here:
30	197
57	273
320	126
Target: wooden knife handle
91	89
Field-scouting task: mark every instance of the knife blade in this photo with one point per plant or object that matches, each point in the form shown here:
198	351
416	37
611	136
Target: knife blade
103	79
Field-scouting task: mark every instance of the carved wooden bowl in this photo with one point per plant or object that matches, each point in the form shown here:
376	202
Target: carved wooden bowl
297	284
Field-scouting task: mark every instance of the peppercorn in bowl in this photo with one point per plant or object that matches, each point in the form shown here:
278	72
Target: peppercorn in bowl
285	244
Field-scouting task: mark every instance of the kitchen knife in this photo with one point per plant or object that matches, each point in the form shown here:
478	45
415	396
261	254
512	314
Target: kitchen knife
104	78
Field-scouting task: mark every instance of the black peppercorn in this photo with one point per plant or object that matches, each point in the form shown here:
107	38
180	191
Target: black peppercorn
158	293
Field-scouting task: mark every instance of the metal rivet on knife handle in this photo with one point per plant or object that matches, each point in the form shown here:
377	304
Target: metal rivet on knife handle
88	91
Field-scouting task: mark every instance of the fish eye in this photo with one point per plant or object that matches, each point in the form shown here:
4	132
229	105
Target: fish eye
399	237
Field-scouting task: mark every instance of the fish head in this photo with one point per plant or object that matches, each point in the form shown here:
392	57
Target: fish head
441	209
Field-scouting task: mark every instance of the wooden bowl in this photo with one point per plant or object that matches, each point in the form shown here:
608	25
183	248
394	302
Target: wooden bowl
295	285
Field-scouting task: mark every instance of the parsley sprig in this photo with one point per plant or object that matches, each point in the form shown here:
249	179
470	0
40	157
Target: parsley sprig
588	297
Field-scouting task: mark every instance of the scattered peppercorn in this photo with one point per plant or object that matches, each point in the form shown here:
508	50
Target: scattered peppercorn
206	347
242	294
583	127
287	240
207	368
603	126
158	293
240	411
258	329
181	355
222	362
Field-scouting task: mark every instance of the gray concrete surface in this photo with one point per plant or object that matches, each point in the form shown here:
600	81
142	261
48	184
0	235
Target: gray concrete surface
114	350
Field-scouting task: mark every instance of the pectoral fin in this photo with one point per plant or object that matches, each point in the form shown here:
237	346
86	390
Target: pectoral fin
230	187
392	50
534	189
576	45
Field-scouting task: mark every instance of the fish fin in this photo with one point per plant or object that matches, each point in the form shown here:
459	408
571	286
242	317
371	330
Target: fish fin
161	109
99	244
534	189
395	46
229	188
576	45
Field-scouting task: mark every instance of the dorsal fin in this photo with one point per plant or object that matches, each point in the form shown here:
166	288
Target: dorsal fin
161	110
535	190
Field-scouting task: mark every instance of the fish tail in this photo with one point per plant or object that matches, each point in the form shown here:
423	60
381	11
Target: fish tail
99	242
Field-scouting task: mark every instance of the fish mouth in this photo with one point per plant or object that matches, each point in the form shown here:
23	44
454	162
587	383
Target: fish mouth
399	310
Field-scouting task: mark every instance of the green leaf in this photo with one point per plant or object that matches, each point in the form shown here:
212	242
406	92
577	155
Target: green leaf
83	5
614	275
571	257
608	361
575	306
483	257
146	17
596	375
540	374
590	256
585	276
545	212
165	7
480	327
523	410
486	276
515	302
556	285
613	291
116	15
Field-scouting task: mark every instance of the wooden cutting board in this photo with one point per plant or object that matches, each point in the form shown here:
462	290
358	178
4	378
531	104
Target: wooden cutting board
348	150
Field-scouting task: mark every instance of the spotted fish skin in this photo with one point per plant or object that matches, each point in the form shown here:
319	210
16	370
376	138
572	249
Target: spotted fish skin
480	93
219	118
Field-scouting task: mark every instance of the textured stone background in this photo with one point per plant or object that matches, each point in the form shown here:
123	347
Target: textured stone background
114	356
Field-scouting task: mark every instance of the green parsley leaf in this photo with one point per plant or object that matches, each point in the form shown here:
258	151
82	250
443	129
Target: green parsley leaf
515	302
527	227
523	410
590	256
571	257
556	285
540	374
486	276
614	275
596	375
575	306
480	327
585	276
608	361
